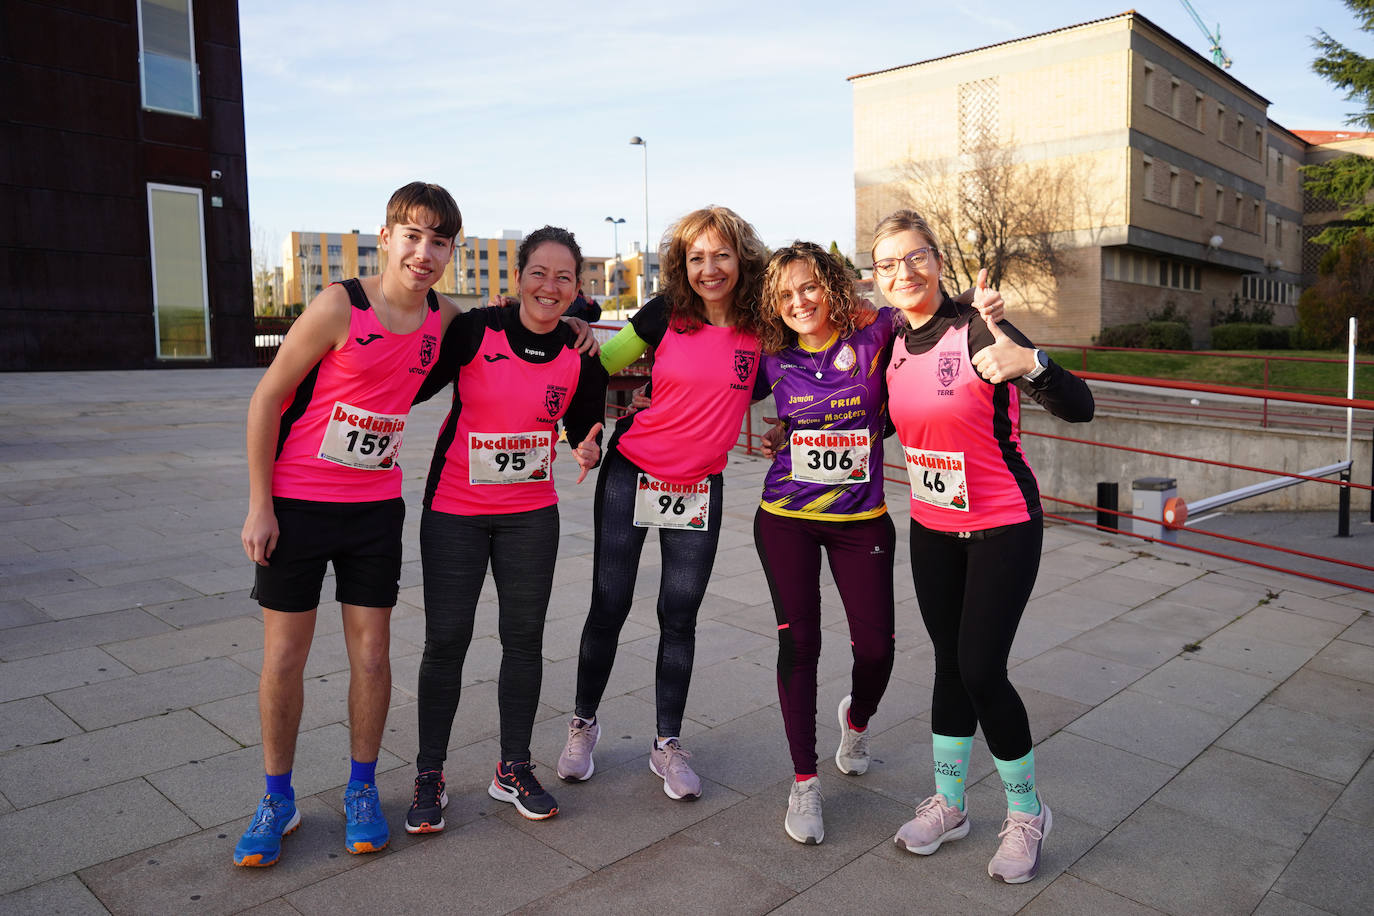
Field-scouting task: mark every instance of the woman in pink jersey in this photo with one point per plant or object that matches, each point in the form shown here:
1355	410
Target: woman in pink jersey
954	384
490	502
663	470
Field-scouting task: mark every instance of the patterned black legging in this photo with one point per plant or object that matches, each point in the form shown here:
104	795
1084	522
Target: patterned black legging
687	560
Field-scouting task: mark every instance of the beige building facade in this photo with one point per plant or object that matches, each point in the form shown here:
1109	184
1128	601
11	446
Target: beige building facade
1183	193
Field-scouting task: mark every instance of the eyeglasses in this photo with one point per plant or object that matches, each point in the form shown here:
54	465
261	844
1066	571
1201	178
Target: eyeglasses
914	259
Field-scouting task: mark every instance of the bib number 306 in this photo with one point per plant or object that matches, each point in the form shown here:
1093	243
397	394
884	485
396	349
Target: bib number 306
829	458
938	478
659	504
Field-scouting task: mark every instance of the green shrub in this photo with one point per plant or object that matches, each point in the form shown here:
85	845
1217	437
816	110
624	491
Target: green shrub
1251	337
1147	335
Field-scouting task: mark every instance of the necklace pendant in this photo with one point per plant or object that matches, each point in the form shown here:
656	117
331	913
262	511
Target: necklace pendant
818	374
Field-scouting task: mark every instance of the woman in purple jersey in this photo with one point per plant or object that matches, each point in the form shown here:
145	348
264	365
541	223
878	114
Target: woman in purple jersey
825	354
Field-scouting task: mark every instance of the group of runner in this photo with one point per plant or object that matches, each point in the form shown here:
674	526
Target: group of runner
731	325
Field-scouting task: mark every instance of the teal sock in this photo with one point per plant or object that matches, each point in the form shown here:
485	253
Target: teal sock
1018	779
951	766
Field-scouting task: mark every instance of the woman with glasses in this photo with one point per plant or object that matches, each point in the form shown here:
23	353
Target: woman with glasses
663	470
825	354
490	502
954	384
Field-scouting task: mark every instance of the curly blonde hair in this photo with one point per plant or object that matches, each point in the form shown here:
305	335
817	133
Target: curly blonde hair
685	307
836	282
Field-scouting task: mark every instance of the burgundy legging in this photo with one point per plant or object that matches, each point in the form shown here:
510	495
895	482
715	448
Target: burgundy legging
860	555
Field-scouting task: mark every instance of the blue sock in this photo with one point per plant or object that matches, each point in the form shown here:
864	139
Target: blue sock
1018	781
280	785
951	766
363	772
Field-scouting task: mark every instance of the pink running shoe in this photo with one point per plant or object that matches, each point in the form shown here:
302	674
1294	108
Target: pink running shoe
575	763
1018	858
670	763
935	822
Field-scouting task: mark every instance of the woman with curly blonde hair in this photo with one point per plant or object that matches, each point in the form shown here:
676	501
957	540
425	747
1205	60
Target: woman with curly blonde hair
662	469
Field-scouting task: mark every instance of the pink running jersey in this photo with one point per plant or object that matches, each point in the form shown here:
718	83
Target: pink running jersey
962	429
508	406
703	383
340	431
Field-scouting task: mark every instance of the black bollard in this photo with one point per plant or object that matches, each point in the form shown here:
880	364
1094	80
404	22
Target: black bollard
1106	500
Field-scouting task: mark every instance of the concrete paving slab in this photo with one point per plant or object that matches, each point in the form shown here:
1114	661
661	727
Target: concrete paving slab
1069	896
182	647
1161	730
1076	675
1094	782
190	612
1217	592
1185	620
31	677
1357	801
1172	572
889	885
1131	643
1252	796
16	612
55	636
1216	870
1110	587
627	731
1038	633
1277	625
688	877
101	600
1204	686
1331	871
41	773
1361	631
1329	696
856	820
66	896
155	693
1244	652
1278	905
1346	659
1301	741
195	873
33	721
730	689
1321	609
116	820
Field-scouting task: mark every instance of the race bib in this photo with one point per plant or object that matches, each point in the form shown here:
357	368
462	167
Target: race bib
938	478
830	458
659	504
496	458
358	438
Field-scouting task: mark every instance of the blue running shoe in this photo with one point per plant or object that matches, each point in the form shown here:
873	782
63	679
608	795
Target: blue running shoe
261	842
366	829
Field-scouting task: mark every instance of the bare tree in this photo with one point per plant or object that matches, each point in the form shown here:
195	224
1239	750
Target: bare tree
261	259
992	211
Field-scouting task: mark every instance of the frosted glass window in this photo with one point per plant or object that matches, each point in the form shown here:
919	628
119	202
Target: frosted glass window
181	302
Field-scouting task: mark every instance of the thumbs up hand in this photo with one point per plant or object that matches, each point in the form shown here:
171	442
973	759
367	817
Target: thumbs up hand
1005	359
588	453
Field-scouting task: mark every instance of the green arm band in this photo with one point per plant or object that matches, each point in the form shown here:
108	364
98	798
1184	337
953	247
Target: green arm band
622	349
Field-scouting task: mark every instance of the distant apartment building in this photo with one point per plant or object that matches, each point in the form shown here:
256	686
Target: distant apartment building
124	186
1186	194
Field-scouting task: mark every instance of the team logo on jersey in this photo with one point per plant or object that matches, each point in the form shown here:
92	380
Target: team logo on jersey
554	398
947	368
427	346
370	338
845	359
744	363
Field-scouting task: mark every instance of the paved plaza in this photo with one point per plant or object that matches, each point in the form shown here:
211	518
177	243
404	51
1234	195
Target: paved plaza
1204	728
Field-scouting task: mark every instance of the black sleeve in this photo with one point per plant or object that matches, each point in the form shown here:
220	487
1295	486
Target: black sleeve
461	342
651	322
761	387
1057	389
587	407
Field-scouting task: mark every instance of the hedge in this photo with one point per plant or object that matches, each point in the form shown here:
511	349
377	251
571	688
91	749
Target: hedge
1147	335
1252	337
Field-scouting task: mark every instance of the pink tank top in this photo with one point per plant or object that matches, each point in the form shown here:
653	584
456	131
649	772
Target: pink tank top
500	458
703	382
341	430
961	439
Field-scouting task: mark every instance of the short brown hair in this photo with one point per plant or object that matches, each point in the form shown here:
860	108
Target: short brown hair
836	281
422	197
685	306
553	234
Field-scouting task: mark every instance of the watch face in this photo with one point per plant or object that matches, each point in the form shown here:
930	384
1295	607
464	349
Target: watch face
1042	359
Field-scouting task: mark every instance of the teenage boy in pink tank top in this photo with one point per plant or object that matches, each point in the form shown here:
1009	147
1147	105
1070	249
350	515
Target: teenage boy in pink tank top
324	428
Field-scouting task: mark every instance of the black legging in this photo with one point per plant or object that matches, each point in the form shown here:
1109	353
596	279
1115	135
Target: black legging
688	556
454	552
972	593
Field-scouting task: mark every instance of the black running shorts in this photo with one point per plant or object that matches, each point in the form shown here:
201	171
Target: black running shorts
362	540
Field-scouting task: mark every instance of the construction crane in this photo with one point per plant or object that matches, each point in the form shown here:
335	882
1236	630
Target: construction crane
1218	55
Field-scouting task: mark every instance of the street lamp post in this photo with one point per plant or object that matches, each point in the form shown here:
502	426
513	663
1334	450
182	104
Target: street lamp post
615	233
615	265
640	141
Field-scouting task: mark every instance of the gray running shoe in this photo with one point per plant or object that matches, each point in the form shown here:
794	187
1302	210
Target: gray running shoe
935	822
803	822
670	764
852	757
575	763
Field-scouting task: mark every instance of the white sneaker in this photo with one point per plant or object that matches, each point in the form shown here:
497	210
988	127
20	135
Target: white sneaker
852	757
803	822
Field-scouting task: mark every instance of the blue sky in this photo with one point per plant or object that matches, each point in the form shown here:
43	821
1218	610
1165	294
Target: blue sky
525	112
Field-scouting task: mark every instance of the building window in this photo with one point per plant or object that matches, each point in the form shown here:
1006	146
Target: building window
1173	97
1278	168
1149	178
1221	123
1221	202
1173	187
1199	110
181	299
1278	233
1197	196
167	57
1255	212
978	115
1150	85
